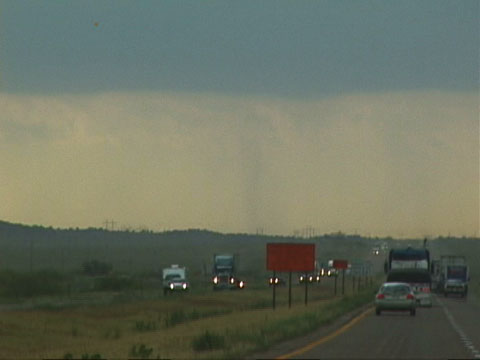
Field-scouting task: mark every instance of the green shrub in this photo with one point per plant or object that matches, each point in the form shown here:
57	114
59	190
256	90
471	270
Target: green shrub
175	318
115	333
140	351
113	283
87	356
180	316
96	268
208	341
143	326
21	284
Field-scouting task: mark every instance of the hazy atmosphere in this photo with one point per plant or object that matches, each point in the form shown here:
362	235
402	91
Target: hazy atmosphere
353	116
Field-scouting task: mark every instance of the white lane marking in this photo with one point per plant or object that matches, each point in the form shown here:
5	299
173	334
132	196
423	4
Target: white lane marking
466	341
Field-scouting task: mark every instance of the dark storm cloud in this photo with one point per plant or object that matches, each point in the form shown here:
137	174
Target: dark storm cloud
270	47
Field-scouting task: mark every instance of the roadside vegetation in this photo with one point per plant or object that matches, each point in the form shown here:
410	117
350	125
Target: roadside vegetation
97	294
224	324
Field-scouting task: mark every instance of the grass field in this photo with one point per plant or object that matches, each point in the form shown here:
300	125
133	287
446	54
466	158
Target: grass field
214	324
63	313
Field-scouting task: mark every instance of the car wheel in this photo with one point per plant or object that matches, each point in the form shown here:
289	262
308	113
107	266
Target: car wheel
412	312
378	312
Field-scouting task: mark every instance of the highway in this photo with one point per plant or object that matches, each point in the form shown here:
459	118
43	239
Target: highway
448	330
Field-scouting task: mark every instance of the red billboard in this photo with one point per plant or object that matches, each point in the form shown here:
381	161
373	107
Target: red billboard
340	264
290	257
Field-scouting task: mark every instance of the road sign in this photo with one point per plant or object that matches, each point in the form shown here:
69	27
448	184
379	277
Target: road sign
340	264
290	257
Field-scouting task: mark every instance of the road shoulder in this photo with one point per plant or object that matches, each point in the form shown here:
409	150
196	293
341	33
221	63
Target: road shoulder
289	346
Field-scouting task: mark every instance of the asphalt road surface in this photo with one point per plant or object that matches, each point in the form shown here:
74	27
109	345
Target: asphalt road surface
448	330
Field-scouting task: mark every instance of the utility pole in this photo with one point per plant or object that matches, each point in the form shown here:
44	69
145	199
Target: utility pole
109	224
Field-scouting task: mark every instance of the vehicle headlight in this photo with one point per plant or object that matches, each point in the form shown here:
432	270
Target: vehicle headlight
184	286
232	280
301	278
276	280
171	286
241	284
215	280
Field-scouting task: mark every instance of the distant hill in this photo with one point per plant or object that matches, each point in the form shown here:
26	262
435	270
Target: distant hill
25	247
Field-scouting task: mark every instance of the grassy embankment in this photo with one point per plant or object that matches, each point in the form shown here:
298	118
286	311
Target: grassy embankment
224	324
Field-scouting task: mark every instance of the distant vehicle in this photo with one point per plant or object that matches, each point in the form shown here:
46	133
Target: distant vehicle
395	296
419	279
330	270
408	258
384	247
376	251
315	276
310	278
224	273
174	279
453	275
276	281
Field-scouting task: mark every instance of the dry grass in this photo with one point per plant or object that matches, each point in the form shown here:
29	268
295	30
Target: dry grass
113	330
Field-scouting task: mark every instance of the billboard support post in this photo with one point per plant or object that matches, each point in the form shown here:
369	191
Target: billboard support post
289	289
335	287
306	291
274	286
340	264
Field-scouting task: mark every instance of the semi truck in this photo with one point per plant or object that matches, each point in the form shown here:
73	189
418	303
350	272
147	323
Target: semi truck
224	272
407	258
453	275
174	279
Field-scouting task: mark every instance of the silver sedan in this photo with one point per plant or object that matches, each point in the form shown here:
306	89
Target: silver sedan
395	296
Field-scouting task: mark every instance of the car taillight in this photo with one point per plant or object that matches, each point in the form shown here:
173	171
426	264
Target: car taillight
410	297
380	296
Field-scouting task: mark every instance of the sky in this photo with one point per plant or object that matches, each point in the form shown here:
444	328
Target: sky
352	116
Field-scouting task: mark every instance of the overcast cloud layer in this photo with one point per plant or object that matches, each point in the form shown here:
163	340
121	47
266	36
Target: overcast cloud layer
275	47
358	116
397	163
